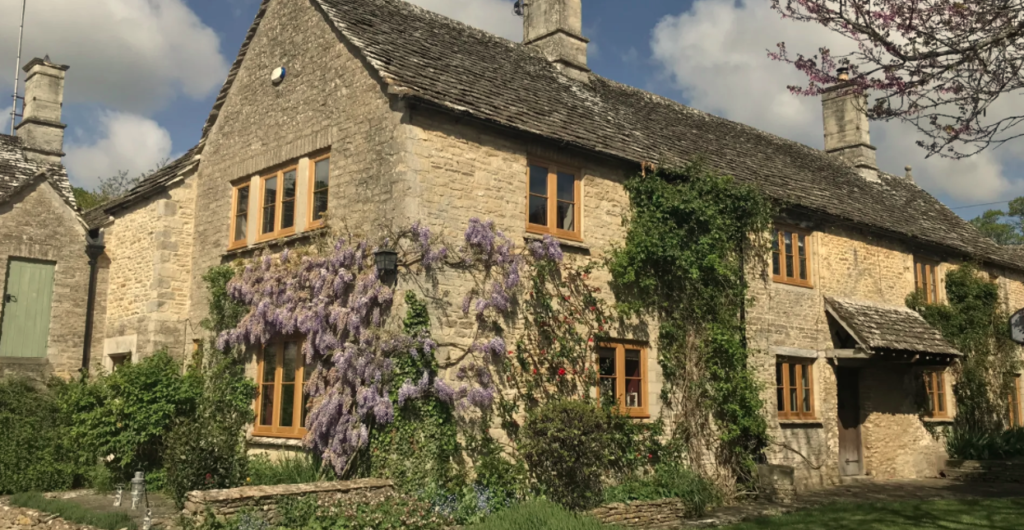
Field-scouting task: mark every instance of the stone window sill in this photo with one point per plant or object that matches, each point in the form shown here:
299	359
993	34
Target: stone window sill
529	237
278	442
937	421
274	242
819	423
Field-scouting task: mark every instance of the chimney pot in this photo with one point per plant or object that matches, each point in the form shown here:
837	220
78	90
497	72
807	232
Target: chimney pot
844	73
555	27
910	173
41	130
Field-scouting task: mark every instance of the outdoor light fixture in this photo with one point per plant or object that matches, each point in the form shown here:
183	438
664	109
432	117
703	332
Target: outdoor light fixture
387	266
117	498
138	489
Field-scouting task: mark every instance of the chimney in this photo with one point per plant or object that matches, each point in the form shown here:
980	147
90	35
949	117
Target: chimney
846	128
40	130
555	27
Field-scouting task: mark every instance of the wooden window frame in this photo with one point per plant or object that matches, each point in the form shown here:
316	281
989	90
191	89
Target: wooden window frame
1015	419
779	232
925	270
643	411
310	222
278	231
553	170
802	366
297	430
232	242
933	380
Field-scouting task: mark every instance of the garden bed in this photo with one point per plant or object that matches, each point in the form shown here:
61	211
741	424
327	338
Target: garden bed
1007	471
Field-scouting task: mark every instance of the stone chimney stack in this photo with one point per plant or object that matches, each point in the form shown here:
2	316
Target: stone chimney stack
846	129
556	28
40	130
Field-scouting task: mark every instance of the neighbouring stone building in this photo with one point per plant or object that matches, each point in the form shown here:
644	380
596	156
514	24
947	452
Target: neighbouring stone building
358	114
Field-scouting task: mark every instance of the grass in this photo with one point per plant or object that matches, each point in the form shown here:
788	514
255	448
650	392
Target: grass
72	512
299	468
992	514
539	515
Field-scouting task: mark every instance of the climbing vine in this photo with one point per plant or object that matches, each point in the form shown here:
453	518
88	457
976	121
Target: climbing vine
689	232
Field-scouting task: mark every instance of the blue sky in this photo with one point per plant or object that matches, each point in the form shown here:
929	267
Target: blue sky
144	74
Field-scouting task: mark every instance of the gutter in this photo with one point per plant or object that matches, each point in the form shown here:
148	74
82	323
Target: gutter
94	248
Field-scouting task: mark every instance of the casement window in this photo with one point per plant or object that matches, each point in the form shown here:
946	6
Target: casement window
277	204
935	385
926	281
794	389
240	216
1014	404
791	257
622	373
319	182
553	201
281	403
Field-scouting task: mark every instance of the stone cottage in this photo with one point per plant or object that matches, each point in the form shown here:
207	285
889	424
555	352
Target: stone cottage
362	113
48	255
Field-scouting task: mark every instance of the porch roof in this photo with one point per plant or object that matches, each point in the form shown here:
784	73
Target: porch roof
881	327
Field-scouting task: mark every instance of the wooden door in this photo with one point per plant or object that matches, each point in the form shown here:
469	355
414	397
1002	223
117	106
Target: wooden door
27	300
851	455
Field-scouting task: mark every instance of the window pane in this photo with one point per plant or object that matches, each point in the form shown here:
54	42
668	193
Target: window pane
269	205
802	252
539	181
269	364
319	204
633	363
242	200
267	405
566	187
778	374
270	191
942	401
607	388
775	264
288	214
290	365
538	210
566	216
633	393
287	405
789	266
306	372
793	402
806	391
780	396
321	174
241	227
803	268
788	240
289	185
606	361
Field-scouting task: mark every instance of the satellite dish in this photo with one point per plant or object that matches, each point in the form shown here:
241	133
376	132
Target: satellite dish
277	75
1017	327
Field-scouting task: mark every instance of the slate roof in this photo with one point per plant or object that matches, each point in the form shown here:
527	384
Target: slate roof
435	60
878	327
16	170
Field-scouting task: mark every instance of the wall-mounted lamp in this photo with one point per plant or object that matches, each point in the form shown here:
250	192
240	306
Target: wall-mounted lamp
387	266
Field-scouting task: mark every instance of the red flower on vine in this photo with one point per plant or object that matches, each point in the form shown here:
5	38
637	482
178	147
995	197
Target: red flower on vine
600	328
510	352
593	308
561	372
590	340
534	371
543	352
650	457
566	298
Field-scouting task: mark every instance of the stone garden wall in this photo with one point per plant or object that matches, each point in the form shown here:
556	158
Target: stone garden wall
225	503
985	471
666	513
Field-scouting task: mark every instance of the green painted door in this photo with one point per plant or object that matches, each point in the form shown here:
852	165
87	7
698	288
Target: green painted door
26	309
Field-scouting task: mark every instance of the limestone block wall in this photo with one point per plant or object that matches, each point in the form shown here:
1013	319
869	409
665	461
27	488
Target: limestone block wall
148	256
226	503
37	224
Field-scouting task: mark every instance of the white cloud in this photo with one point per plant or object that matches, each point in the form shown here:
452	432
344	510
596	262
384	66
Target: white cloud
716	55
494	16
126	142
130	55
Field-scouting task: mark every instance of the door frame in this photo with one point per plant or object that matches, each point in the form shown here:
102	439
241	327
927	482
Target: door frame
849	376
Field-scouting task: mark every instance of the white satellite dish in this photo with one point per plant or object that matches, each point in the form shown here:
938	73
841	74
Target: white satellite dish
1017	327
277	75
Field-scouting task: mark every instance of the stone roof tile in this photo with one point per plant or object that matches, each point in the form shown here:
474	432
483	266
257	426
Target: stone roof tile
16	169
879	327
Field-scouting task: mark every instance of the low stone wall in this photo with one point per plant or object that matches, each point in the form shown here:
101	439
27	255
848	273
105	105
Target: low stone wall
225	503
666	513
985	471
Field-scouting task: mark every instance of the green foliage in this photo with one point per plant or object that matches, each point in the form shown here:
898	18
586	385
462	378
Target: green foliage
392	513
86	199
539	515
669	480
224	312
74	513
129	413
974	323
206	449
964	444
37	451
301	468
689	231
1003	227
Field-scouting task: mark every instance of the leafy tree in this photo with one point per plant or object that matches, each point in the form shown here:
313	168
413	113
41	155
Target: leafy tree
1003	227
111	188
938	64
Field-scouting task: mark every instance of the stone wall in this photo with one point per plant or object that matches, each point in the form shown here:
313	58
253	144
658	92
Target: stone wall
37	224
665	513
985	471
226	503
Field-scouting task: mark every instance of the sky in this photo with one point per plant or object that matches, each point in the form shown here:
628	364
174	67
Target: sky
144	75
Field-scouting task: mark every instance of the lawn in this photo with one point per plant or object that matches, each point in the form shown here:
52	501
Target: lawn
996	514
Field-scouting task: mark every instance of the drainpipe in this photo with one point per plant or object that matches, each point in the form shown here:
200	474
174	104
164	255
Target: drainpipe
94	249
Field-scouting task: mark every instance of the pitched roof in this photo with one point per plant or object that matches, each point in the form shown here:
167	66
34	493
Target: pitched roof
878	327
433	59
16	169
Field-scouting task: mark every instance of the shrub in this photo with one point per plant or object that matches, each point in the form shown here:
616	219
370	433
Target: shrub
74	513
36	449
971	444
539	515
669	480
390	513
570	447
300	468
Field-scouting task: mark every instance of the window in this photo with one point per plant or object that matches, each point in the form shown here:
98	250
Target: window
622	372
240	216
553	201
925	280
1014	402
117	360
281	403
320	169
791	254
277	204
935	384
794	389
